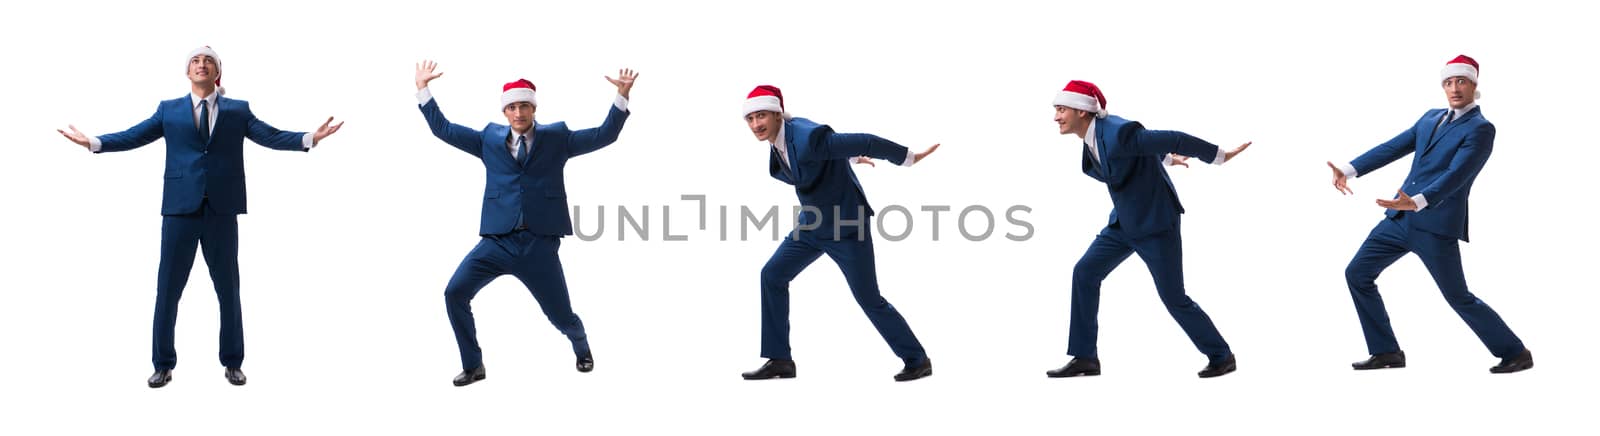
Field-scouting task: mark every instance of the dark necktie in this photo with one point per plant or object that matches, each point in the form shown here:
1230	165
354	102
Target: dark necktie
1449	115
782	162
522	150
205	121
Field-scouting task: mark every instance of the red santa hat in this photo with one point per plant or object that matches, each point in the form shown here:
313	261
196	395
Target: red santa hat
763	98
207	51
520	90
1461	66
1082	96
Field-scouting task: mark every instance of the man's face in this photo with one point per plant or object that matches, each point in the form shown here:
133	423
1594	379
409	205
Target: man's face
1072	120
519	115
1459	91
764	124
203	69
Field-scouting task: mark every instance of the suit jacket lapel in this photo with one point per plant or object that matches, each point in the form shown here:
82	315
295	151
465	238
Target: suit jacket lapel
535	146
794	158
1100	145
502	134
194	126
1090	167
1434	131
1445	129
777	168
218	112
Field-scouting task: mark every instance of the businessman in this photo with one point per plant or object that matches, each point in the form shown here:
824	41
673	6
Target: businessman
1427	217
835	220
202	195
524	207
1145	213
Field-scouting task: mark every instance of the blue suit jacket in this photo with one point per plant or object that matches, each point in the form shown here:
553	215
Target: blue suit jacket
536	191
822	178
1142	197
195	169
1447	162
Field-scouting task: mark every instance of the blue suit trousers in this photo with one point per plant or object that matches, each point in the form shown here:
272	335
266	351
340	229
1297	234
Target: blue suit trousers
1387	243
855	258
1162	253
532	259
217	236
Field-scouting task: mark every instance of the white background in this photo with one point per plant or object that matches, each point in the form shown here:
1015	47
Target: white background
346	249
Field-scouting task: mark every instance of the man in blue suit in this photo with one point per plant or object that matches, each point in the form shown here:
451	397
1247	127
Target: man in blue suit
202	195
1144	220
524	207
1427	217
835	220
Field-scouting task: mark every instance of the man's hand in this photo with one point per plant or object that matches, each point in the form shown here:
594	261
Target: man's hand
325	130
425	74
1174	159
924	154
863	160
75	136
1403	202
1339	180
624	81
1228	157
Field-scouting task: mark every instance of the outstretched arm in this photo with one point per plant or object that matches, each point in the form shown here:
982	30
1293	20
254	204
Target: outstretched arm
912	159
145	132
1165	143
588	140
1373	159
262	133
862	148
458	136
1401	145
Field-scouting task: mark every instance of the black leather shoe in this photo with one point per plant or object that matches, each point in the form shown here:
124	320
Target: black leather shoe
235	376
1521	361
774	368
1078	366
469	376
1382	360
160	378
913	372
1219	367
585	362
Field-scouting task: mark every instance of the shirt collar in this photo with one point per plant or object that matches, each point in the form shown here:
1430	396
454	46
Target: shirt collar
194	100
780	142
1463	111
528	135
1088	134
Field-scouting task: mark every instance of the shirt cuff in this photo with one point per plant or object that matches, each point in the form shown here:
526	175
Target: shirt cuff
1222	156
307	141
1347	169
911	158
621	103
1166	161
423	96
94	144
1421	201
